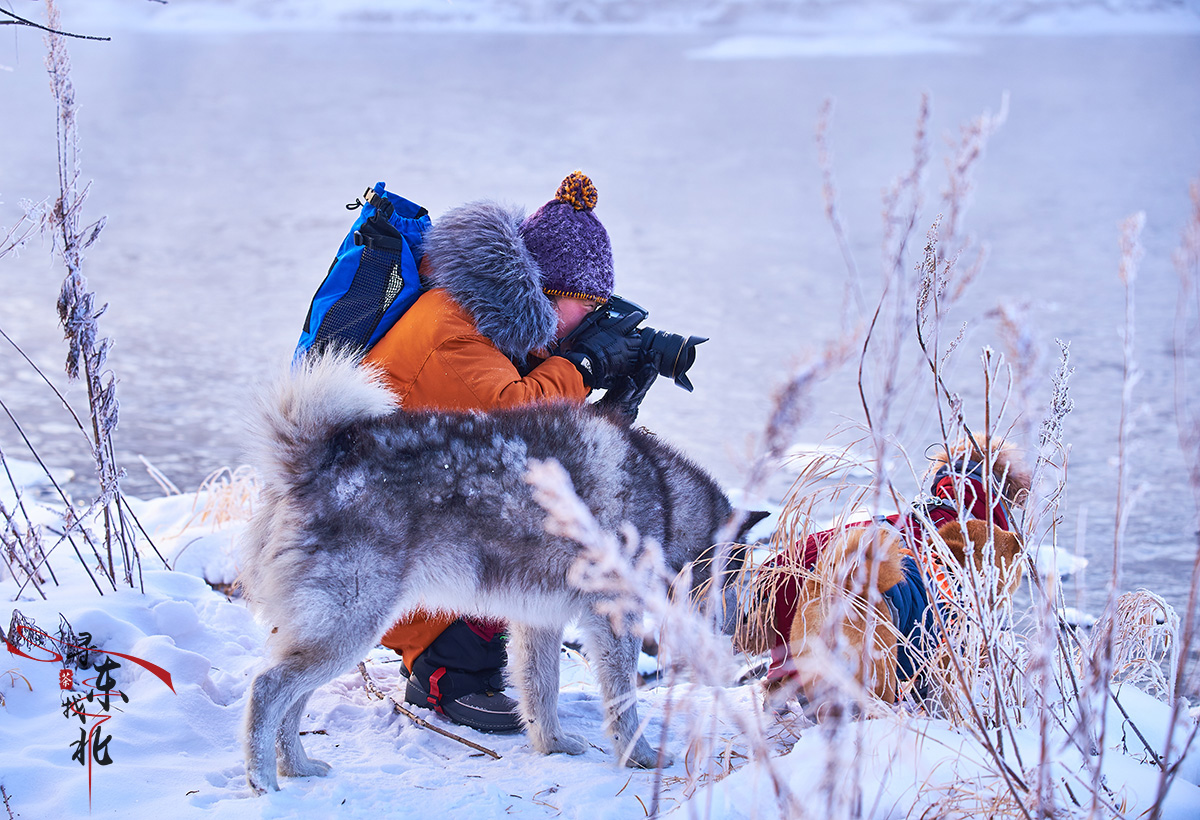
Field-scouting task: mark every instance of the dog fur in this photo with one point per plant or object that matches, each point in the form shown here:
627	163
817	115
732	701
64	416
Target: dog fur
367	512
842	609
836	612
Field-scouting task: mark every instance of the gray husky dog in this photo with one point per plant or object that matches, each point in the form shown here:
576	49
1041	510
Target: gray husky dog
367	512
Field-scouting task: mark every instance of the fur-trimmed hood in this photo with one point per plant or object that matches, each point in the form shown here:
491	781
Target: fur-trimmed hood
477	254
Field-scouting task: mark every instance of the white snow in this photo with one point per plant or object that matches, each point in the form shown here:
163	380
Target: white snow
175	750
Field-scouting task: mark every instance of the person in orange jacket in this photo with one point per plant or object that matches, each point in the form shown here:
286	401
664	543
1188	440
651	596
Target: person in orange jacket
504	290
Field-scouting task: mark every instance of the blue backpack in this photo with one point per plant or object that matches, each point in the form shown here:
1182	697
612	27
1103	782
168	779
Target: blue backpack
373	278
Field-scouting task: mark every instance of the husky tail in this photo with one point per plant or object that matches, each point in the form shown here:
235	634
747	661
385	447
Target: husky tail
319	394
288	427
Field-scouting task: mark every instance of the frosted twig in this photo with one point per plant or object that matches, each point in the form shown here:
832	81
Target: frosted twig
960	183
66	501
829	196
1100	667
87	352
789	409
31	222
4	792
1187	417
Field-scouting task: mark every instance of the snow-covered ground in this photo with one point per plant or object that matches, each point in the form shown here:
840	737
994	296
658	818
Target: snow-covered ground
172	746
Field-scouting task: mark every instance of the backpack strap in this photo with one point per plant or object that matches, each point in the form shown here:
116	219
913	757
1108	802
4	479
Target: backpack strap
378	234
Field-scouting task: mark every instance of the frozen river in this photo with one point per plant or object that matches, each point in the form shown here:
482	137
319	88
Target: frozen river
223	161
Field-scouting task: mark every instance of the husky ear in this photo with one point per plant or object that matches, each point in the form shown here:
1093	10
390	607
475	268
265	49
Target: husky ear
752	518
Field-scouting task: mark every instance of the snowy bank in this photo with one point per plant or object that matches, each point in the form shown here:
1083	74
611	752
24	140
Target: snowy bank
172	742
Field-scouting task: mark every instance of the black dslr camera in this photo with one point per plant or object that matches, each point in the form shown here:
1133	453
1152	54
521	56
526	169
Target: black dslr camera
670	353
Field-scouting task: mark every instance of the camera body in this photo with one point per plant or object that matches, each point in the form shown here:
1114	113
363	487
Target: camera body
669	353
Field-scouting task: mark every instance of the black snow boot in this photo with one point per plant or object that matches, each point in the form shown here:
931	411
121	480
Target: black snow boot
460	676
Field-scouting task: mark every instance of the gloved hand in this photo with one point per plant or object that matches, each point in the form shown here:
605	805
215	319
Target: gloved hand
625	396
604	350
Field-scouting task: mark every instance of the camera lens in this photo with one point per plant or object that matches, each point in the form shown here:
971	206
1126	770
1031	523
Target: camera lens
670	354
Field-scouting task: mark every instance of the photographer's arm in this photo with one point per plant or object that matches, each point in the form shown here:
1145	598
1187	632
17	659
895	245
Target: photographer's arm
483	378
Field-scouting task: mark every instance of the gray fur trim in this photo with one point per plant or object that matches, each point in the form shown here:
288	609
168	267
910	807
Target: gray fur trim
477	254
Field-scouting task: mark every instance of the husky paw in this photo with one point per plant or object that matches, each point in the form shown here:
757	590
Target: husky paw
561	742
260	782
644	756
309	767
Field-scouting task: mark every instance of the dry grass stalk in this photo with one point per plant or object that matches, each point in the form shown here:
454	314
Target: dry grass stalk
1131	255
823	482
961	167
902	203
1021	351
13	675
1049	472
903	199
1187	331
1187	412
832	213
1097	672
160	478
88	353
790	407
965	797
1187	416
1143	630
229	495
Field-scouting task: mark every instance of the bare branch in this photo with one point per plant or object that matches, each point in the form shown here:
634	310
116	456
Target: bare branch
18	20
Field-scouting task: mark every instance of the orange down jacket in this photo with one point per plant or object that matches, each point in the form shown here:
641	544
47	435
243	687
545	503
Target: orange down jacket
435	358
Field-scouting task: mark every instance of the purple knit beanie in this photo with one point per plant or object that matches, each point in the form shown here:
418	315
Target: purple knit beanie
569	244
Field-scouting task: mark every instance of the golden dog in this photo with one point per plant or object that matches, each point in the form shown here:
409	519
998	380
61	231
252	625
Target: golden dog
869	604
